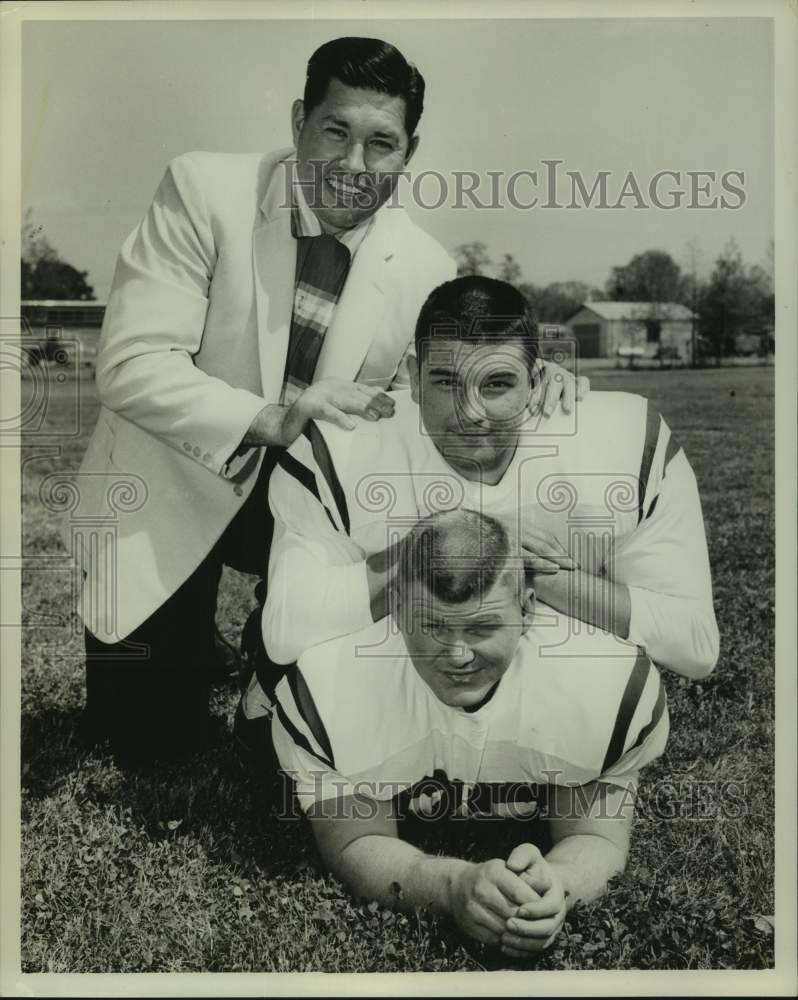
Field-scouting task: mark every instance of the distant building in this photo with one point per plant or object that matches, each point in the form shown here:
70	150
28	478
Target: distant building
75	325
648	330
42	313
759	343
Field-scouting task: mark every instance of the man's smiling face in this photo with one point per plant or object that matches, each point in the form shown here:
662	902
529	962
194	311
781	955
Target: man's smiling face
474	398
351	151
461	650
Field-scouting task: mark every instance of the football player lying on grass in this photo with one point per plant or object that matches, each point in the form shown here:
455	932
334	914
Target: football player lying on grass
471	702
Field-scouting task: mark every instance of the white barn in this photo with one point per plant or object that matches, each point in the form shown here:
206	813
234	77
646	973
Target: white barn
602	328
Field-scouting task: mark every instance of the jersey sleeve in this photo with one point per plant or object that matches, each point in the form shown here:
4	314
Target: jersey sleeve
318	588
303	747
665	564
641	726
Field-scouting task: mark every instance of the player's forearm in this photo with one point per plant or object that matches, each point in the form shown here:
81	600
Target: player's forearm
397	874
328	602
665	564
585	863
596	600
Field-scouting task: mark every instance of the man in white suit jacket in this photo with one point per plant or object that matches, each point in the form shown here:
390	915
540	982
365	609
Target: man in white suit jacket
190	375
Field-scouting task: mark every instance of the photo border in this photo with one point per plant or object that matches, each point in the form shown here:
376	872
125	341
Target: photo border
779	981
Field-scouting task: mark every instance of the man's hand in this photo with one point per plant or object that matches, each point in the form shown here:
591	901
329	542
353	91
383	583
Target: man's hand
486	896
557	385
333	399
537	923
330	399
543	553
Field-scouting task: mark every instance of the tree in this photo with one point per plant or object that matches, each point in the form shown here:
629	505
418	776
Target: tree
652	276
509	270
558	301
44	274
737	300
650	280
34	244
473	258
53	279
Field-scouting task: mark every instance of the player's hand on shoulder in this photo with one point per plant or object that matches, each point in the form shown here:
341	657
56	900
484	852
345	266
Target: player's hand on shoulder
542	552
485	896
558	385
336	400
535	924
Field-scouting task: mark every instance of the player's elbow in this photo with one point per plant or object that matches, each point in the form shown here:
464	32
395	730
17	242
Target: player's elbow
685	639
707	646
281	634
704	648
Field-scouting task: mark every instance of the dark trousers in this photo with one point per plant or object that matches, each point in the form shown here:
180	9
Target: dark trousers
149	694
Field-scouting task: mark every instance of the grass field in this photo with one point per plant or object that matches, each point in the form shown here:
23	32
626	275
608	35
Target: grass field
188	868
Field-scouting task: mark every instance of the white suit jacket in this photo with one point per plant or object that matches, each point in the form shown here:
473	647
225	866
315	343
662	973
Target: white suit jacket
193	346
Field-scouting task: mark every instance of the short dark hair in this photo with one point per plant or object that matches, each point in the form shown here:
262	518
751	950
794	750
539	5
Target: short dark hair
478	309
457	554
368	63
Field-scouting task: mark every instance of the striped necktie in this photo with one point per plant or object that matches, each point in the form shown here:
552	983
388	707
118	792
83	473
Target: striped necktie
322	266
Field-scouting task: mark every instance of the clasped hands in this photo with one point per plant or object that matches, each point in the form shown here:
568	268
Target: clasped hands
518	904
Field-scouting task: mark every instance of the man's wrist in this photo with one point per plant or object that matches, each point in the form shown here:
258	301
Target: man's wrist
435	881
552	588
448	875
564	873
268	428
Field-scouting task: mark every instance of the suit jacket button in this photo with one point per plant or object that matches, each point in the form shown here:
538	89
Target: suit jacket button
197	452
187	446
238	491
206	457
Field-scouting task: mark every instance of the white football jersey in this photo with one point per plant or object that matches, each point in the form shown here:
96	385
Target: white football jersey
608	480
355	718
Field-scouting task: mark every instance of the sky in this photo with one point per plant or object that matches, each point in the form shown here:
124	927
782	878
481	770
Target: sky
106	105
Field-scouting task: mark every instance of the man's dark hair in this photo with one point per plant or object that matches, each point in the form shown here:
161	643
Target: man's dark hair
457	554
370	64
477	309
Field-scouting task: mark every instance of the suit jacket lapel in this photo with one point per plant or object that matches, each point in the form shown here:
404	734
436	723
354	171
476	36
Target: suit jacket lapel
358	317
274	264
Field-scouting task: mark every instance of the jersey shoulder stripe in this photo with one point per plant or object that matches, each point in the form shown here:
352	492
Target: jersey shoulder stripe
305	477
369	472
656	714
673	448
653	421
672	451
626	710
324	463
304	702
298	737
